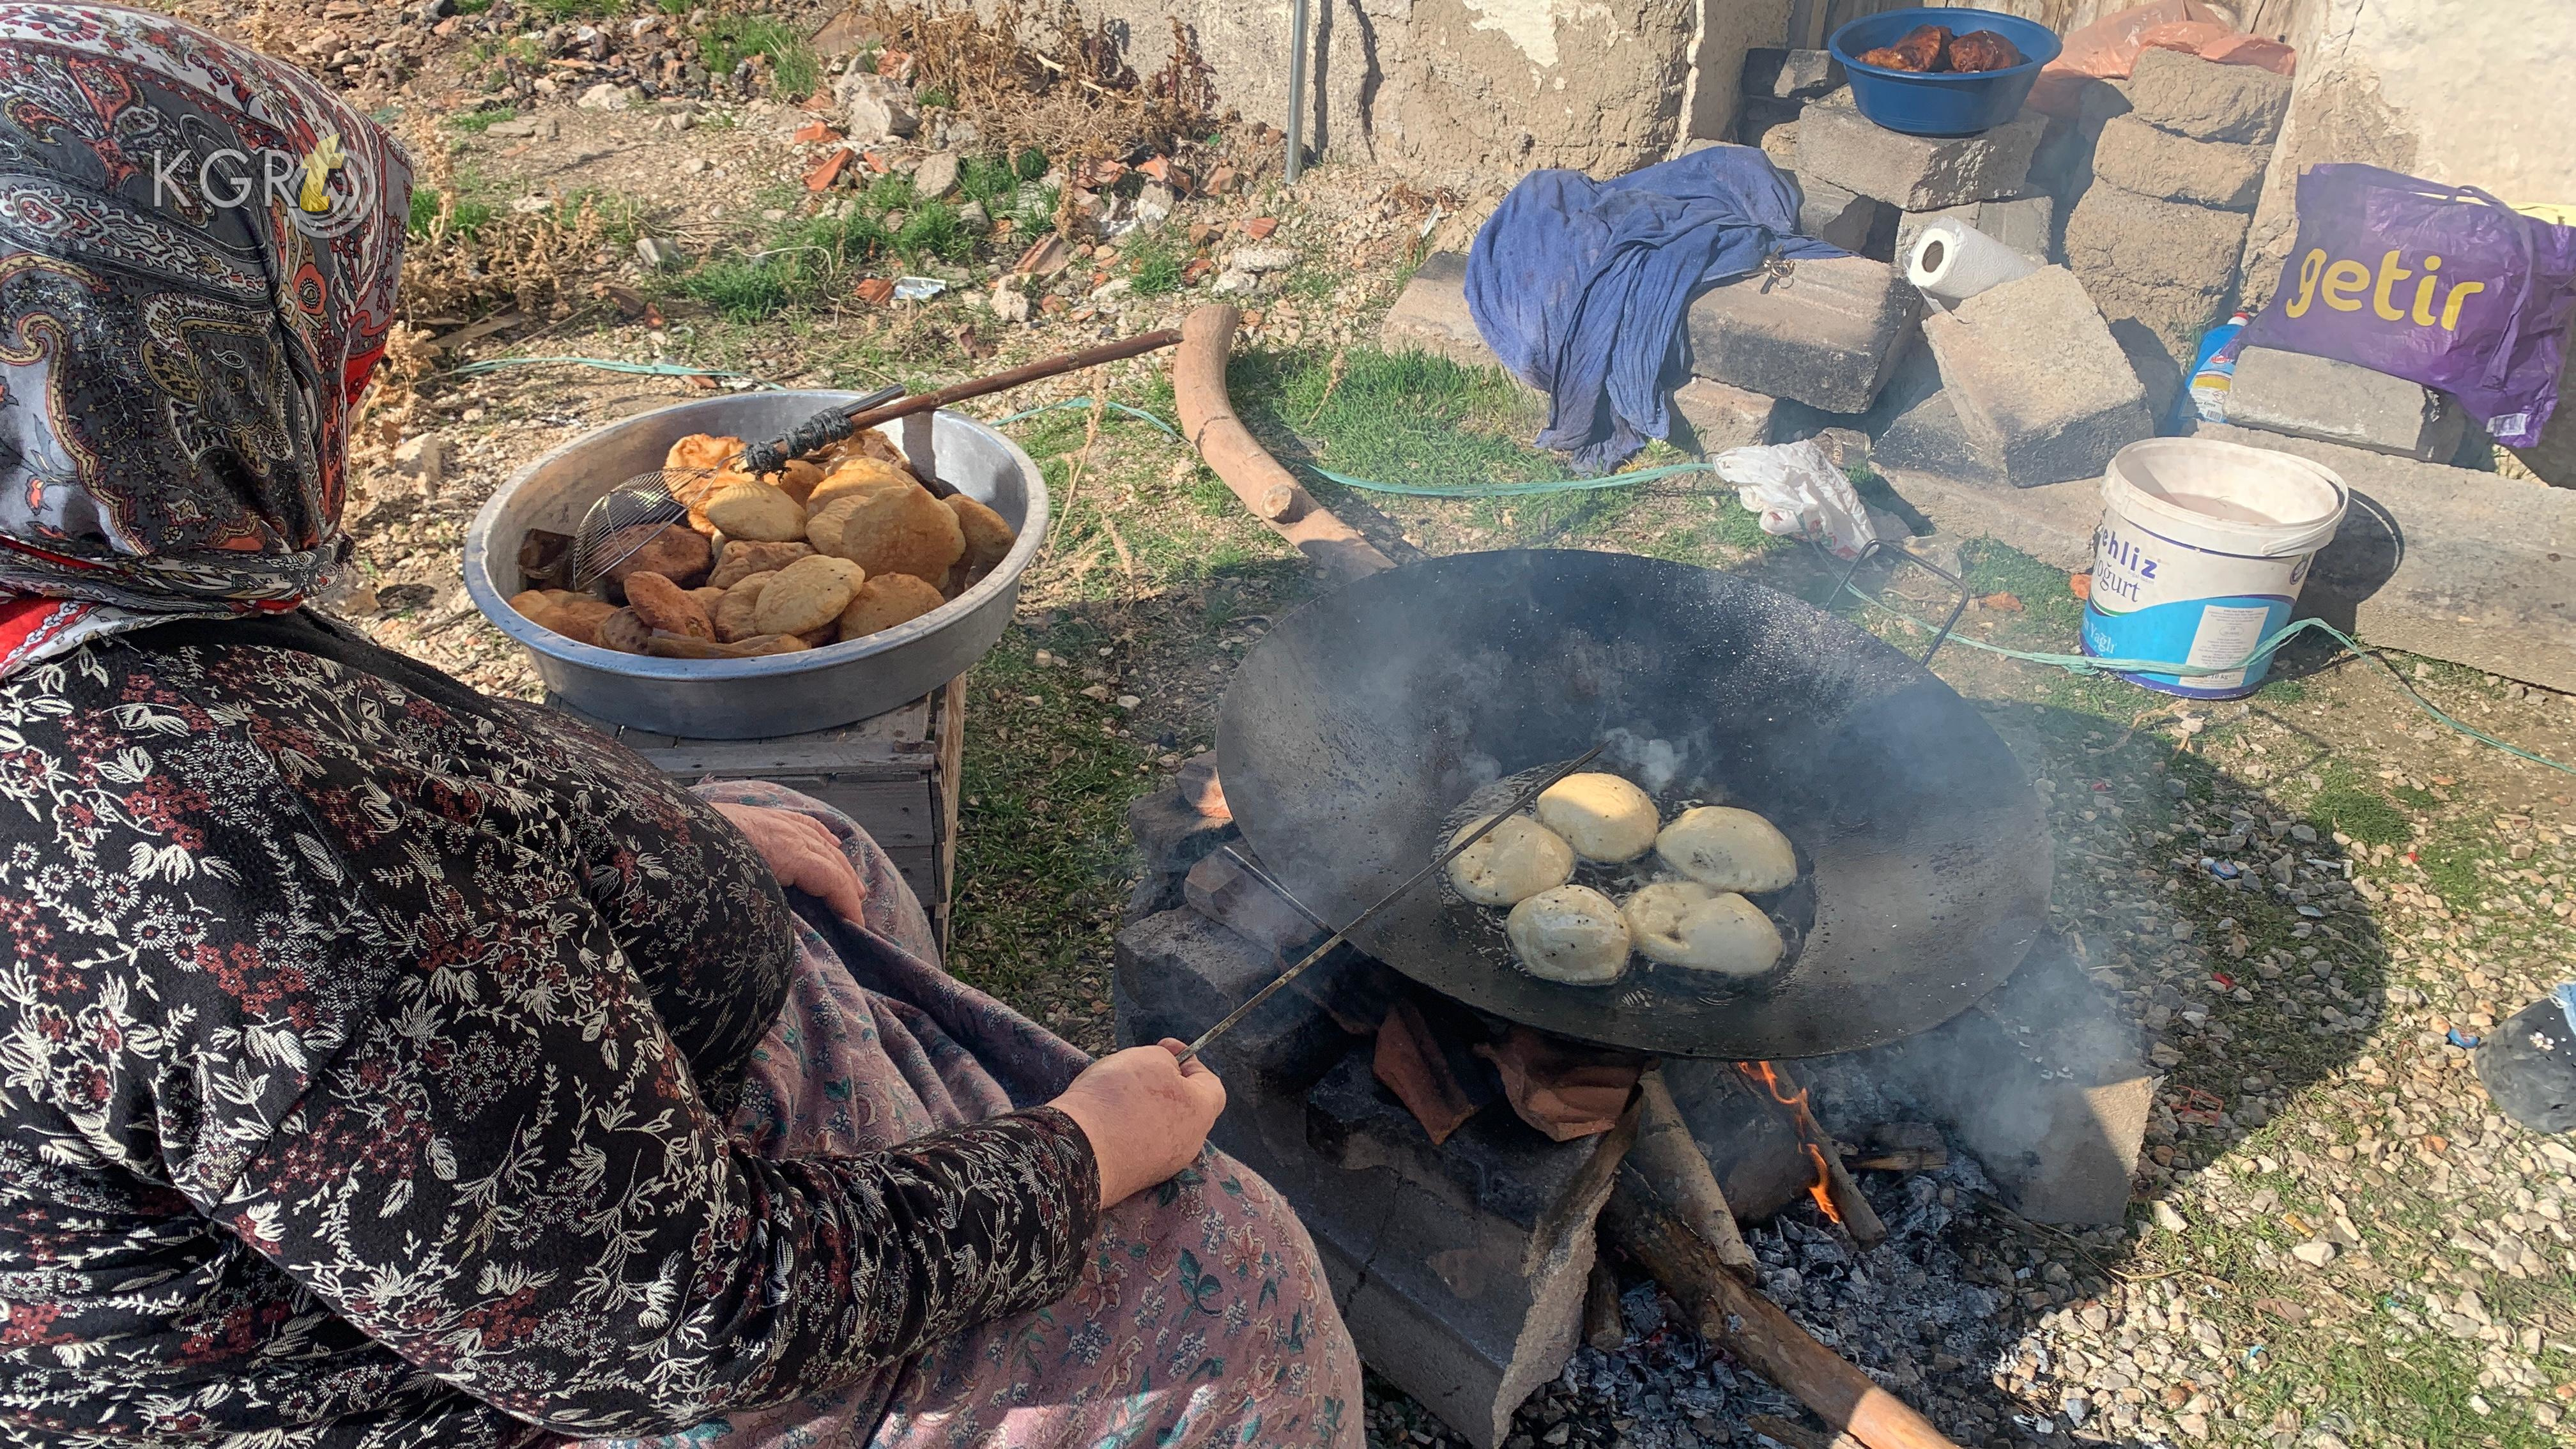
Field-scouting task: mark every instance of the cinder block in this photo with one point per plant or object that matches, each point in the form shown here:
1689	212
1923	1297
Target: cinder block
2162	272
2208	101
1842	217
1790	75
1915	427
2063	166
2150	161
1714	417
1431	315
2042	391
1825	335
1915	173
2339	402
2027	224
1177	973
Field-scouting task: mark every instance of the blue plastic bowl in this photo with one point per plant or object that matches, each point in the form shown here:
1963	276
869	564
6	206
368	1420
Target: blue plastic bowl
1941	103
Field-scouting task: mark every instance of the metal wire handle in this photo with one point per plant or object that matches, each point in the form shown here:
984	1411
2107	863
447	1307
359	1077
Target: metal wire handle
812	435
1882	546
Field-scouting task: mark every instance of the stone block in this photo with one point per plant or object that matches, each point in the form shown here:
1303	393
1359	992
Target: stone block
1790	75
1431	315
2063	165
1915	427
2151	161
1915	173
2454	563
2044	1081
2042	391
2027	224
1771	125
2208	101
2162	272
1471	1256
1825	335
2341	402
1711	417
1177	973
1844	218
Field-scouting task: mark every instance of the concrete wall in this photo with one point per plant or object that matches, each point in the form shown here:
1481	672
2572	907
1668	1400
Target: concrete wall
2470	92
1472	89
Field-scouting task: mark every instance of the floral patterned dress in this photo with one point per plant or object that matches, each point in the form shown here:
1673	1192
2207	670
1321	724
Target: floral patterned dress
384	1065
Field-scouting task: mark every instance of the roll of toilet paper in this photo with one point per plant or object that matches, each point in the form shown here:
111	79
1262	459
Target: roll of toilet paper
1953	261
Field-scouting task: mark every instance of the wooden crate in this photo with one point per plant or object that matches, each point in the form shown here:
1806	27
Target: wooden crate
895	774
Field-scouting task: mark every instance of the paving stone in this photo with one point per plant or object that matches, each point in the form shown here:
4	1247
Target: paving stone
2042	391
1790	75
2027	224
1713	417
2162	272
1431	315
1916	173
1843	217
2139	157
2206	100
1178	972
2340	402
1825	335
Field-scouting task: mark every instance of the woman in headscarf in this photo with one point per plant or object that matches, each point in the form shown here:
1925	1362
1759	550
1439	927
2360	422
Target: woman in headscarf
383	1064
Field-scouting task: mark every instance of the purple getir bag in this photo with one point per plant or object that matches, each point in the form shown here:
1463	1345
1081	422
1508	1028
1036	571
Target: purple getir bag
2442	285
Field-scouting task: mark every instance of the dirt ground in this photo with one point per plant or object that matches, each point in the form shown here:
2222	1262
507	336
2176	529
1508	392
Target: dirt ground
2306	899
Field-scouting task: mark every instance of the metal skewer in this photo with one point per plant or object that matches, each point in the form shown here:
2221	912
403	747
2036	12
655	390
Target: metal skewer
1519	803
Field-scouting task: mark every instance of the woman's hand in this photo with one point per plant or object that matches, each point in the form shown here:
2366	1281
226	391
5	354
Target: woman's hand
801	854
1147	1113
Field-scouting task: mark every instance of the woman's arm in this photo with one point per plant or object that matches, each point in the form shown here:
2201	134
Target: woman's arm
509	1179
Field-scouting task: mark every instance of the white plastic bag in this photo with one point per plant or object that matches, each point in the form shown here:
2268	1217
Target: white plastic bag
1801	494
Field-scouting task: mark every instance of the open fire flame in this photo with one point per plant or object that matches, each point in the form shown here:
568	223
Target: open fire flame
1809	1134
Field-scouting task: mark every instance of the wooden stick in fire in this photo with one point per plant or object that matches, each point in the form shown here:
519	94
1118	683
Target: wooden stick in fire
1670	1158
1646	1228
1520	802
1853	1210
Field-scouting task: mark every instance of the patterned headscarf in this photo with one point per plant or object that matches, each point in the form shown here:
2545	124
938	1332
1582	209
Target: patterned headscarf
198	252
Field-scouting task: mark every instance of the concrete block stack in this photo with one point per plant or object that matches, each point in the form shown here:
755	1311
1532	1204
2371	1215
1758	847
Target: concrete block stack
2157	234
1777	86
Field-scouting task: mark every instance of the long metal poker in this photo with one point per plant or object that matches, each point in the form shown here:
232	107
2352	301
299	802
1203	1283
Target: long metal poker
1519	803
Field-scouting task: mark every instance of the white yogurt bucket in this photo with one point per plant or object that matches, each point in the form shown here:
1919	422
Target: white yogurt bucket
2201	552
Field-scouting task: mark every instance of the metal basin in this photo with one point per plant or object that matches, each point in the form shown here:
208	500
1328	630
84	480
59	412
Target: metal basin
780	694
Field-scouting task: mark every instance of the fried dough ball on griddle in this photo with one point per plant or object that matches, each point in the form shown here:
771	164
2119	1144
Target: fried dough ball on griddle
1572	934
899	531
1515	861
1604	817
1731	849
1683	923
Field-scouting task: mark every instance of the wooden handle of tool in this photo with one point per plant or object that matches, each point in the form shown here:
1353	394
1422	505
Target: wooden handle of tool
1273	495
1026	372
1755	1329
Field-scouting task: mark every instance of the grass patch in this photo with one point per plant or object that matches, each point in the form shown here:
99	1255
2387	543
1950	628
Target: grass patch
1157	268
933	232
745	291
2454	863
727	40
472	7
1396	418
938	98
575	9
468	219
2347	804
475	123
